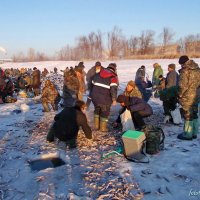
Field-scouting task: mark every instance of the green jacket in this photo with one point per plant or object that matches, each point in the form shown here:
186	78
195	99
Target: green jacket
156	73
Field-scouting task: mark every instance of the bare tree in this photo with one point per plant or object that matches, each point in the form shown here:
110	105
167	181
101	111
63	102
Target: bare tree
146	42
20	57
115	42
41	57
133	45
166	38
192	44
31	55
181	46
96	45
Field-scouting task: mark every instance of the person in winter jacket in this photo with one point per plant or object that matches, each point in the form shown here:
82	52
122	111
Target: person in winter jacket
67	123
189	96
171	81
162	83
6	86
144	87
50	95
156	73
36	81
28	80
172	76
55	69
140	73
104	94
44	72
70	88
131	90
138	107
81	78
89	76
2	85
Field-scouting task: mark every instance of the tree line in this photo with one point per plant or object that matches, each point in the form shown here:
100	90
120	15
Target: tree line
114	45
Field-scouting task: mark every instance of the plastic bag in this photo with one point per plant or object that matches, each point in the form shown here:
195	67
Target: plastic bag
176	115
126	120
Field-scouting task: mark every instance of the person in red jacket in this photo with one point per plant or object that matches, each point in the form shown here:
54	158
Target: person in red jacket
104	94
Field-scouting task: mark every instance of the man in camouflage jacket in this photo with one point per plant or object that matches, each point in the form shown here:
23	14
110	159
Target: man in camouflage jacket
189	96
50	95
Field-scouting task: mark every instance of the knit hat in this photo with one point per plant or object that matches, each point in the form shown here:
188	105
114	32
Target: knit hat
183	59
172	66
112	66
121	98
131	83
97	64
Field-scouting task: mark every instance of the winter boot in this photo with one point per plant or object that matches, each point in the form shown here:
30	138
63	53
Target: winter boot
103	124
96	122
46	107
195	128
71	143
188	131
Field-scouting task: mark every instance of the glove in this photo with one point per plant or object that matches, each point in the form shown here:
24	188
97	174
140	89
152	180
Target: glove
154	87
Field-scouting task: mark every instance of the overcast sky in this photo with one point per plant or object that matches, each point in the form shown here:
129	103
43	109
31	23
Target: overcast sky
48	25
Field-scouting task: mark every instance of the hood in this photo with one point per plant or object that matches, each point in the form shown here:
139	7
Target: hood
106	73
190	64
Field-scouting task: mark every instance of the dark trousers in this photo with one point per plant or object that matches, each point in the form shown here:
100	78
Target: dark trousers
102	110
138	120
169	105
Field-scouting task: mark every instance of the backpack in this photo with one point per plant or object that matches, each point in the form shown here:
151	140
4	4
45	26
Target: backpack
154	139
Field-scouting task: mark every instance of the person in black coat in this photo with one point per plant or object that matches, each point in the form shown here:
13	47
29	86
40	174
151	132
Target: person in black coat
67	123
138	107
89	76
140	73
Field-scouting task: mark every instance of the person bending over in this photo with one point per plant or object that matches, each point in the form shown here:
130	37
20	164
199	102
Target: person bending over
138	107
67	123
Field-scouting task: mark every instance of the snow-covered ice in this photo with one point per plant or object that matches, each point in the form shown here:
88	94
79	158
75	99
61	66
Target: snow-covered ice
173	174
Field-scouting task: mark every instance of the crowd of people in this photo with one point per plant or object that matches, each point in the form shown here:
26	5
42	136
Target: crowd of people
180	88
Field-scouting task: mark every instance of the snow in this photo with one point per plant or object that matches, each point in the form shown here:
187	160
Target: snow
171	174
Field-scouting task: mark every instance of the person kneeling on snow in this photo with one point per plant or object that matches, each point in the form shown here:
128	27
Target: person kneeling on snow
138	107
67	124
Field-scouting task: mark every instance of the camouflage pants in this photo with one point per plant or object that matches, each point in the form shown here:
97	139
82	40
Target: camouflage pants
190	113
